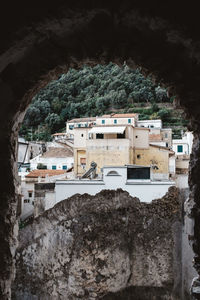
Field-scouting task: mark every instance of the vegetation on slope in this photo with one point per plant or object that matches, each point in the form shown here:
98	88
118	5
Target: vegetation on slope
92	91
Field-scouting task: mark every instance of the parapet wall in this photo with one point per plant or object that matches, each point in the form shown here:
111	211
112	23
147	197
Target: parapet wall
89	247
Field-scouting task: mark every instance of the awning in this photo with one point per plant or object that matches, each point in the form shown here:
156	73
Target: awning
108	129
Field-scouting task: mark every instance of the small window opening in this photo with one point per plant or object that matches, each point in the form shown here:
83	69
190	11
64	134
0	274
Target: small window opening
120	135
26	200
99	136
180	148
138	156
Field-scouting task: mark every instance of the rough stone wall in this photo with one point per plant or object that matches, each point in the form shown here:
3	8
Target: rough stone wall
89	246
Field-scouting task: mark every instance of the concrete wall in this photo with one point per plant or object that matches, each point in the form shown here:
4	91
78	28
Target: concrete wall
154	156
108	152
140	138
166	134
44	197
145	190
176	143
172	165
182	163
27	203
80	137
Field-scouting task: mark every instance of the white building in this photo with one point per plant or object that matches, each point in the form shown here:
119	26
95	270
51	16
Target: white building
183	146
150	123
112	119
54	159
60	136
28	150
28	187
79	122
117	119
136	180
23	151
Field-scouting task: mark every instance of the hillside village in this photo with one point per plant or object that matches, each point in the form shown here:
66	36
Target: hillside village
105	152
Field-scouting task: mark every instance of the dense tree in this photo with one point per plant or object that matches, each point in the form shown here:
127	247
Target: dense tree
92	91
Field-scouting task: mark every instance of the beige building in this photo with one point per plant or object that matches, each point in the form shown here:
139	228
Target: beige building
117	119
161	137
113	141
158	157
80	139
107	145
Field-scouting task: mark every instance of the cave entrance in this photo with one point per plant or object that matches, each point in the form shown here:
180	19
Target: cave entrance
102	37
97	99
78	118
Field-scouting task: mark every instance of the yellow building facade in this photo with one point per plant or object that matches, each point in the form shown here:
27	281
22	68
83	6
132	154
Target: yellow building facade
118	146
155	156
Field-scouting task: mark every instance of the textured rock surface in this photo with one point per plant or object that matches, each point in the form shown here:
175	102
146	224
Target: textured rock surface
88	246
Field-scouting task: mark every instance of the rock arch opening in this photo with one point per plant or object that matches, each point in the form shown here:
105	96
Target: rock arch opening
165	45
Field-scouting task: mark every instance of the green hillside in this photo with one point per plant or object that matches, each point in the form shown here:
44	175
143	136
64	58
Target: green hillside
92	91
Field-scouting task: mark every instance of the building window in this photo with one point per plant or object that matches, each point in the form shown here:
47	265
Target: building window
64	167
53	167
129	121
71	127
180	148
26	200
79	125
102	121
138	173
83	162
30	194
99	136
121	135
113	173
166	135
138	156
167	145
82	135
115	121
136	136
